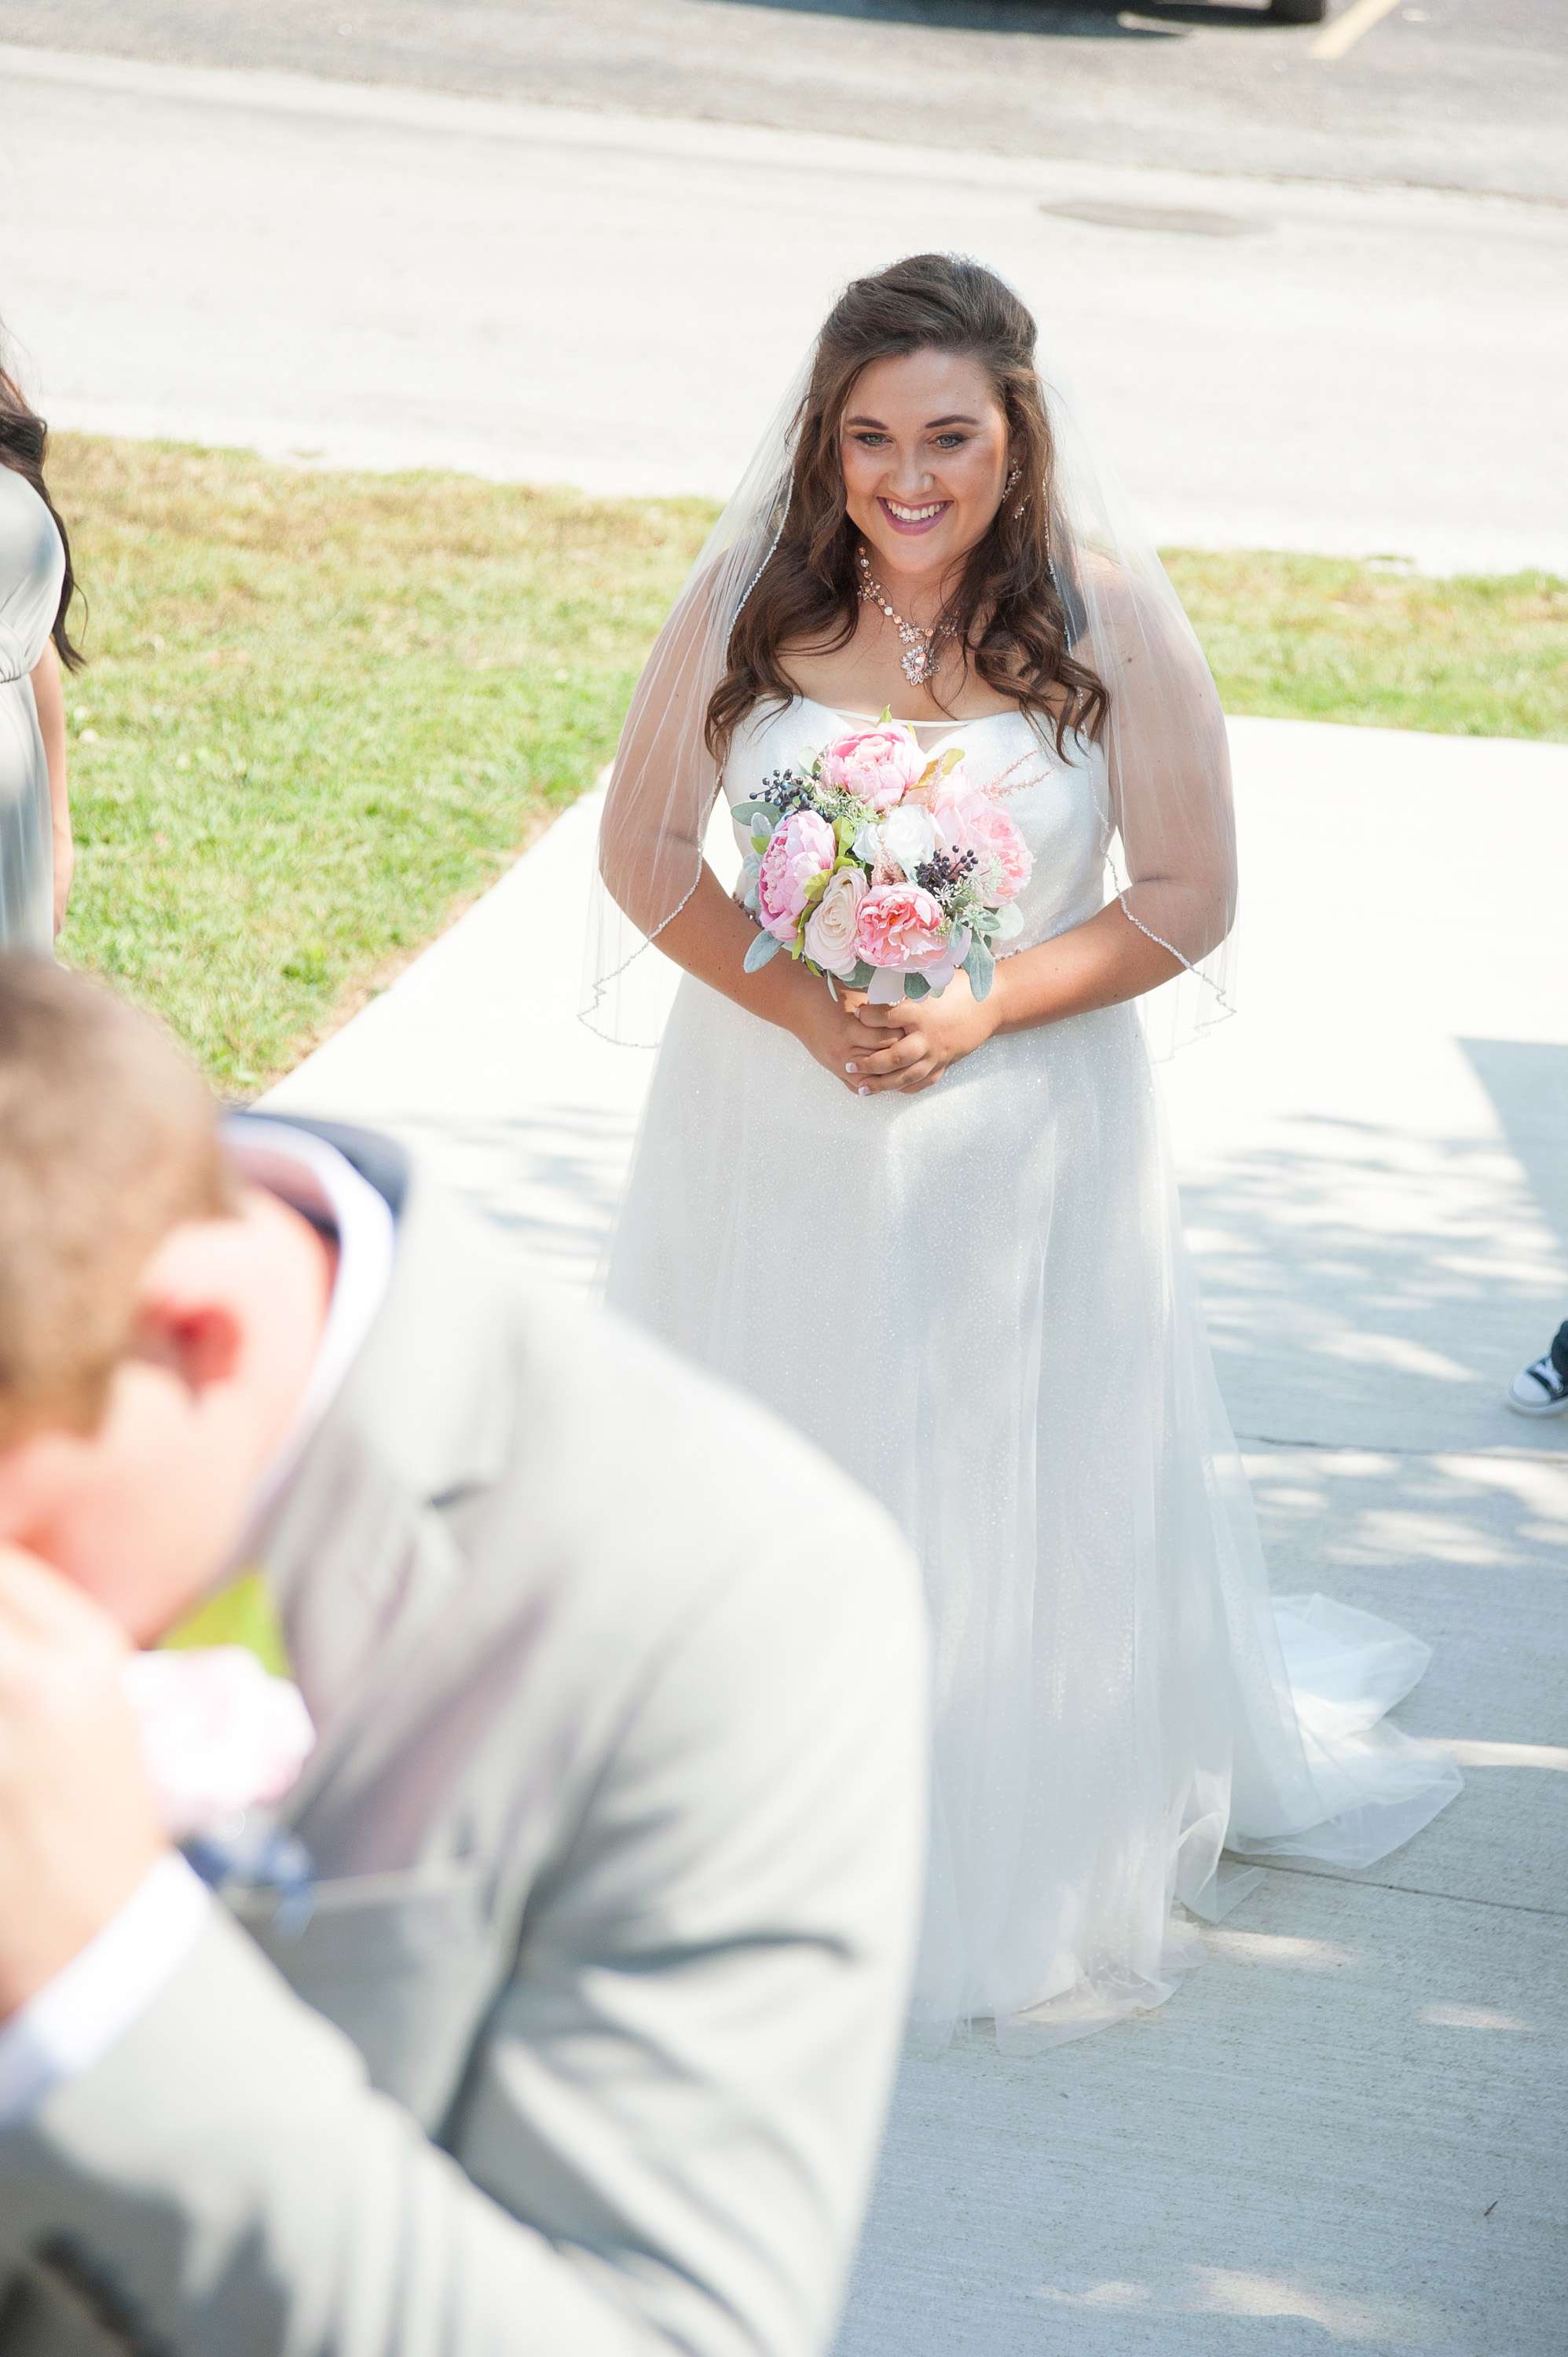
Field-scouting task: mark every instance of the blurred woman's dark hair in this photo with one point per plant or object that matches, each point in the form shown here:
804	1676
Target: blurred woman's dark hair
24	440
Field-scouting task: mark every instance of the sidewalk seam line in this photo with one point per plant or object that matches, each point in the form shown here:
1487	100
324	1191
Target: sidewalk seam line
1407	1890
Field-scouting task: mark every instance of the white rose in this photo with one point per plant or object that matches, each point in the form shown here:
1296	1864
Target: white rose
909	837
829	928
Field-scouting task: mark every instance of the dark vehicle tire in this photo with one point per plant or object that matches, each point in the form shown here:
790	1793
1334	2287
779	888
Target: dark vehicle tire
1298	12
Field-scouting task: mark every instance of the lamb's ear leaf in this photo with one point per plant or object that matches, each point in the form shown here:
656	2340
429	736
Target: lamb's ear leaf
860	979
765	946
917	986
980	966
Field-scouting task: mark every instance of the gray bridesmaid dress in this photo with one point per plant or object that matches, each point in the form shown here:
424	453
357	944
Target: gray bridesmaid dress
32	568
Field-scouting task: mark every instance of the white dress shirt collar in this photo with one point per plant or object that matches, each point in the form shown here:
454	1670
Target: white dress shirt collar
304	1171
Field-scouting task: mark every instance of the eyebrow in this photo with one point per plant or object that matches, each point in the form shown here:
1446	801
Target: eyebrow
931	423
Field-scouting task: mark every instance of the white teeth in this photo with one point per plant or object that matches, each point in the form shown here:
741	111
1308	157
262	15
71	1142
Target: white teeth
915	515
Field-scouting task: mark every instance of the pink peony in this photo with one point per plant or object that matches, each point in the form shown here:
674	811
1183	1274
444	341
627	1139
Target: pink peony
878	766
973	822
803	847
220	1736
902	928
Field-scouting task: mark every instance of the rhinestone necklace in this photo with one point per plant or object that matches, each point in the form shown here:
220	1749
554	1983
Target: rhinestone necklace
919	662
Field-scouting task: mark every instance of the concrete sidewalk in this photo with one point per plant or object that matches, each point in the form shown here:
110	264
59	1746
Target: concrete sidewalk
1346	2130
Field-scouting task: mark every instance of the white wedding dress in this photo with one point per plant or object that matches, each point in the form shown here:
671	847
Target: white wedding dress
978	1300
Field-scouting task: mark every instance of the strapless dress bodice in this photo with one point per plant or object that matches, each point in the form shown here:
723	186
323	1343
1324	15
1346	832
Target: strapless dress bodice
1060	805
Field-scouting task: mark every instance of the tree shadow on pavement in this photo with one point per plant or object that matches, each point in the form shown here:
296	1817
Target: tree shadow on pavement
1365	1287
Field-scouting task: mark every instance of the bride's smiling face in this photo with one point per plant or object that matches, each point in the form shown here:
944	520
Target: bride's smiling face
924	447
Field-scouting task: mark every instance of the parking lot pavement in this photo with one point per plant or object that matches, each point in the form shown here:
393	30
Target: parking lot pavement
380	276
1468	94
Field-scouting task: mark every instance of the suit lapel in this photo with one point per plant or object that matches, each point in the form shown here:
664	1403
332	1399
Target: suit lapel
358	1563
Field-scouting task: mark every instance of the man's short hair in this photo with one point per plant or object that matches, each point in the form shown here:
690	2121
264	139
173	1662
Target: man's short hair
108	1140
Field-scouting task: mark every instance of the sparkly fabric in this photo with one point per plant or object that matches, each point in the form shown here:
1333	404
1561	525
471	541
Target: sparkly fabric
978	1301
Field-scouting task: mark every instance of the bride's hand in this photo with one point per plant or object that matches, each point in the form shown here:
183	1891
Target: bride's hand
828	1029
912	1044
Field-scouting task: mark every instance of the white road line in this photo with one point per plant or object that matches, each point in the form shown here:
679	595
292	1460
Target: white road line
1347	30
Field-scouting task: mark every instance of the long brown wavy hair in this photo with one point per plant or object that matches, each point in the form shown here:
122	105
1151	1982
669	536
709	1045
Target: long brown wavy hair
24	439
1011	612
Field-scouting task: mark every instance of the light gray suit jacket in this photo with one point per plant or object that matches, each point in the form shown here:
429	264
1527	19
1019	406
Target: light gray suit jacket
616	1812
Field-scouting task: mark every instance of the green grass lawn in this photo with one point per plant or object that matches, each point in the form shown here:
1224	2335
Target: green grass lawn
323	711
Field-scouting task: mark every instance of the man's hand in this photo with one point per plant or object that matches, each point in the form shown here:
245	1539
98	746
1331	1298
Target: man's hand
910	1045
78	1826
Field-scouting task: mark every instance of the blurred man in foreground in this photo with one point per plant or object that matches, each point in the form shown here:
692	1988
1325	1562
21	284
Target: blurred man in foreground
555	2006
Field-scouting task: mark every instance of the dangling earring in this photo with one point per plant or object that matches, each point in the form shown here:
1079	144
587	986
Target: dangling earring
1008	486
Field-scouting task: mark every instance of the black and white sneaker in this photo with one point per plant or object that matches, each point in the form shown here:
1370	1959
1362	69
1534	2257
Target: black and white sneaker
1541	1388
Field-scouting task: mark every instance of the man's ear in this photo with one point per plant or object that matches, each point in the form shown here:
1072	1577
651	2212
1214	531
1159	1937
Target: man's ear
188	1318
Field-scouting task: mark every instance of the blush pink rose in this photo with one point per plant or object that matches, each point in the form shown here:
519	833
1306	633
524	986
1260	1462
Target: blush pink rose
900	927
829	928
973	822
803	847
878	766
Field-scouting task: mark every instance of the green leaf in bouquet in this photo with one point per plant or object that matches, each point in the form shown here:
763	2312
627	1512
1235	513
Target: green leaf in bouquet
766	811
765	946
861	978
981	968
917	986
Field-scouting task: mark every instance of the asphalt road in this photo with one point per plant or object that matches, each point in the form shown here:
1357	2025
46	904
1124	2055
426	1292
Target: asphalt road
1468	94
385	277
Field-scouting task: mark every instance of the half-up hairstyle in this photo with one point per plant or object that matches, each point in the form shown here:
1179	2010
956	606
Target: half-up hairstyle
1012	612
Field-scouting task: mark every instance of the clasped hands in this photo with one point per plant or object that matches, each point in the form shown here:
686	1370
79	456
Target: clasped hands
907	1047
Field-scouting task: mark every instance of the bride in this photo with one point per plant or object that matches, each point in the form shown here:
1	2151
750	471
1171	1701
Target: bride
942	1235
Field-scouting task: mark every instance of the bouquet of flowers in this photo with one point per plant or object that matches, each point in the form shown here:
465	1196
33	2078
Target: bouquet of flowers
879	869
